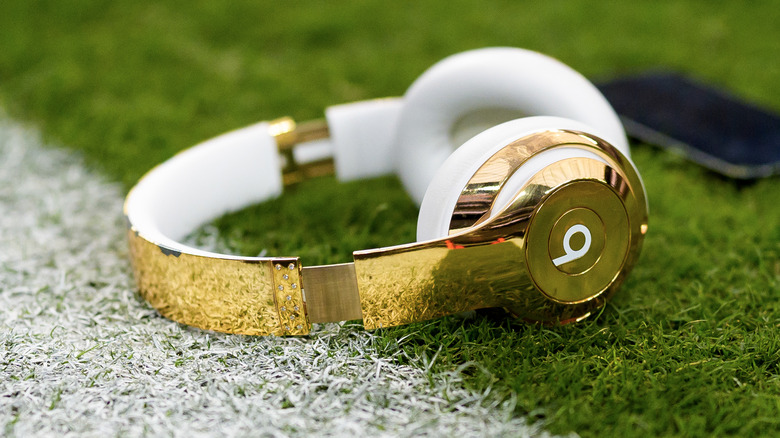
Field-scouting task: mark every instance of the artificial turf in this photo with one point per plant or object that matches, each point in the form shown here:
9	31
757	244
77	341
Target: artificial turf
691	344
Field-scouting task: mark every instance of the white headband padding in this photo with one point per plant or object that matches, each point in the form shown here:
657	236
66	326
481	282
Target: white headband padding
489	79
363	137
200	184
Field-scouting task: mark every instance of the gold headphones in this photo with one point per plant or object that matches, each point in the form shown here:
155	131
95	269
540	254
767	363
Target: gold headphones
543	216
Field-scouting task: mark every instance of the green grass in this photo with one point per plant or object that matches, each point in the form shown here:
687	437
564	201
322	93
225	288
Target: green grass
689	347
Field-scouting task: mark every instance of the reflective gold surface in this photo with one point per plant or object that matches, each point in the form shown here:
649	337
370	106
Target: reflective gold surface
332	293
418	282
585	203
234	296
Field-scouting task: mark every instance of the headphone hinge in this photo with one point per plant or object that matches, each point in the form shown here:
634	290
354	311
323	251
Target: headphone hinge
290	135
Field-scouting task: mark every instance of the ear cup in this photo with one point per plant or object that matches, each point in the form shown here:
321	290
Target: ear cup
499	82
452	176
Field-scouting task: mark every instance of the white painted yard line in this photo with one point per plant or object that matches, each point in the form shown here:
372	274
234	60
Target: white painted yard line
82	354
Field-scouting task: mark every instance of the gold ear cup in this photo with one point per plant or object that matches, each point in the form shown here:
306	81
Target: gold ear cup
586	219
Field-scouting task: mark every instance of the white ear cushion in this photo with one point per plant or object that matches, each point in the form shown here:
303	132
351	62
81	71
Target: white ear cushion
509	79
445	188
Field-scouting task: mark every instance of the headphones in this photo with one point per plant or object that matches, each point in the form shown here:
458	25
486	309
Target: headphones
542	215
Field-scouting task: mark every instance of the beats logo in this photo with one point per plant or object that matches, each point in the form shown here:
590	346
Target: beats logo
570	254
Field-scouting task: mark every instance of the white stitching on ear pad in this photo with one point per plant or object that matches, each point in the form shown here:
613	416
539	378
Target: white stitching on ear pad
502	78
445	188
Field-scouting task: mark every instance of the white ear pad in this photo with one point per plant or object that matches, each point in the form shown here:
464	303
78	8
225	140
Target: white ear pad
445	188
494	81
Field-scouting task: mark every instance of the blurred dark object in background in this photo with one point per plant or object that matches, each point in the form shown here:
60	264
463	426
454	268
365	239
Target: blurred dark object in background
709	126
